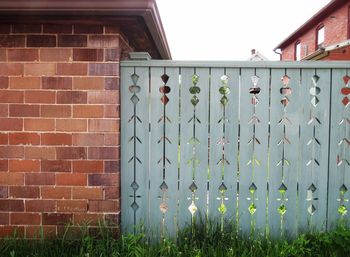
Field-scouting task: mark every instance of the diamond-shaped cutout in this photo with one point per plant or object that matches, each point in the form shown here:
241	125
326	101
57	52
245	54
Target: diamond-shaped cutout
222	208
222	187
164	99
134	99
346	79
134	186
282	209
252	188
285	80
314	101
282	189
134	78
255	79
311	209
315	79
342	210
285	101
343	189
192	208
312	188
252	208
195	79
163	186
193	187
345	101
163	207
165	78
134	206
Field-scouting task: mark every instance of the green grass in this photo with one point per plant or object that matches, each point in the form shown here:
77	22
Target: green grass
205	241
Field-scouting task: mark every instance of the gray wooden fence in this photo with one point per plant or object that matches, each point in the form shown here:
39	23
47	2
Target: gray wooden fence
262	145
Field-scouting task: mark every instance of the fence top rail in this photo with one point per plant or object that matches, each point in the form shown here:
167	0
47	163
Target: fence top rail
237	64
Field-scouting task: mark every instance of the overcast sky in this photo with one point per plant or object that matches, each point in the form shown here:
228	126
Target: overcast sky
229	29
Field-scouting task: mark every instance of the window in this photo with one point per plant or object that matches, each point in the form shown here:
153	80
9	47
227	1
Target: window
319	37
297	50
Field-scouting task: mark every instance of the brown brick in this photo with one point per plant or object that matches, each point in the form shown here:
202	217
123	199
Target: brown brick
11	124
9	179
88	166
4	218
72	69
39	124
57	111
44	97
113	219
40	152
24	138
112	83
11	152
55	54
4	139
35	179
5	28
40	69
71	153
56	192
11	231
11	205
22	55
40	206
104	69
112	111
104	125
3	165
88	55
3	57
112	139
56	218
24	192
88	29
39	232
71	125
88	111
112	29
86	83
41	41
112	167
25	82
103	152
111	193
71	41
88	139
90	219
24	110
14	69
3	192
87	193
70	179
24	165
26	28
103	180
71	97
112	55
4	110
56	139
4	82
103	41
12	41
57	28
103	97
57	83
103	206
11	96
55	166
71	206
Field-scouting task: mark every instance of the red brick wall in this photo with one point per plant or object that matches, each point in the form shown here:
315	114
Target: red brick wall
336	31
59	126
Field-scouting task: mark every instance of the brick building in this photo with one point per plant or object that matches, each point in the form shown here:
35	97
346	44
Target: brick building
59	108
325	36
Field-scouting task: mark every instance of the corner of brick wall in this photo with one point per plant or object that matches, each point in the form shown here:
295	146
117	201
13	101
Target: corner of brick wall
59	126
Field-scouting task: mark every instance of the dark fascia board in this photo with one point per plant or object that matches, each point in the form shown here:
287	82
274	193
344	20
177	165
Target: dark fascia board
147	9
313	21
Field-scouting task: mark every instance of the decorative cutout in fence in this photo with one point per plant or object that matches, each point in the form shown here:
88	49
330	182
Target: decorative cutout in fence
262	145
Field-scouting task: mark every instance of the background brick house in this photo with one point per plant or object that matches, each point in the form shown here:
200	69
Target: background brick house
59	107
325	36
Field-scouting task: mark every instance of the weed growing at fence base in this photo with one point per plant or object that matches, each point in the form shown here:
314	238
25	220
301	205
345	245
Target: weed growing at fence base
205	241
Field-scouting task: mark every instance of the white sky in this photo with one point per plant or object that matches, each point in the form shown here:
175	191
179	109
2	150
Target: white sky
229	29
